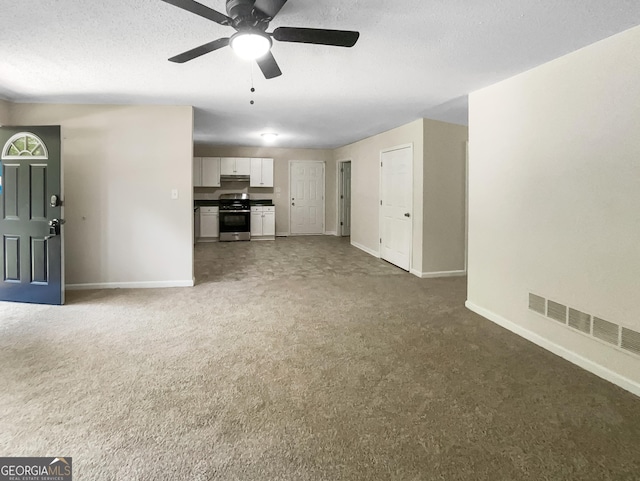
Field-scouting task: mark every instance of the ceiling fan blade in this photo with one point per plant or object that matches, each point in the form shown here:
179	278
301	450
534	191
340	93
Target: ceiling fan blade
269	7
269	66
337	38
201	50
203	11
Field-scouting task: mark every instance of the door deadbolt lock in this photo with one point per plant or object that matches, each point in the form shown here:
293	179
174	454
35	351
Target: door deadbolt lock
407	215
54	227
55	201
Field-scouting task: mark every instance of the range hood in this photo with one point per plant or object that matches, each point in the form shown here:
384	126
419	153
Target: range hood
234	178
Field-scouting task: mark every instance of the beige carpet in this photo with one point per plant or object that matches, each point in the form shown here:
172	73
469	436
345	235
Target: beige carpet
301	359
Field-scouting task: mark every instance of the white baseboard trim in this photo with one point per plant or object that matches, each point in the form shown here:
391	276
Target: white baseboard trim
434	275
586	364
331	232
263	238
366	249
282	234
129	285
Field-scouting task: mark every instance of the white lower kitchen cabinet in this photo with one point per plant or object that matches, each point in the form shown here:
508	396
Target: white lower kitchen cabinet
209	226
263	222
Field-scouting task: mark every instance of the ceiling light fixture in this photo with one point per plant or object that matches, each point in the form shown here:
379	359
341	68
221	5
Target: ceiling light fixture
250	45
269	137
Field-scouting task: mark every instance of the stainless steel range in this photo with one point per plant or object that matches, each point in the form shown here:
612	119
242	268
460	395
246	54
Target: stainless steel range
235	217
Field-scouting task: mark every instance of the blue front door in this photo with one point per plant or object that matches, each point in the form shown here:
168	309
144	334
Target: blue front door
31	215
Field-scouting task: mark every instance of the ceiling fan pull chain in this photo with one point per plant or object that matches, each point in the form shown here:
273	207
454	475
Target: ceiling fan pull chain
251	74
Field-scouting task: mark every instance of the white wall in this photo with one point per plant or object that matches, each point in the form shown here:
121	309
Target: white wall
120	165
555	199
281	158
439	158
4	112
444	242
365	186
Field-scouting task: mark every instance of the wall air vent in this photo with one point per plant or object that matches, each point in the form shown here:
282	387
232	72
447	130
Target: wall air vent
557	312
623	338
605	330
537	304
630	340
580	321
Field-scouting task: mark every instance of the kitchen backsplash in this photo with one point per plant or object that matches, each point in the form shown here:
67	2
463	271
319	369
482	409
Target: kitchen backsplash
213	193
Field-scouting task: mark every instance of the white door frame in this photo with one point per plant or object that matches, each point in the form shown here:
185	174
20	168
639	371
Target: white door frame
339	182
324	192
380	216
466	210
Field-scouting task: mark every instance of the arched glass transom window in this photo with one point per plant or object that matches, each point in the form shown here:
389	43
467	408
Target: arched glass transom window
24	145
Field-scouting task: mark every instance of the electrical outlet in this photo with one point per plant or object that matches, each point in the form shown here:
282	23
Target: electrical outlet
174	194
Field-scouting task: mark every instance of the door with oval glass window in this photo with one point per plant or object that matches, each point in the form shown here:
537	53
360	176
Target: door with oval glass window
31	242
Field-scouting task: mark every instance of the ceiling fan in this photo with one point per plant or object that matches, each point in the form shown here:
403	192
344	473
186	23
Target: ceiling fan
250	19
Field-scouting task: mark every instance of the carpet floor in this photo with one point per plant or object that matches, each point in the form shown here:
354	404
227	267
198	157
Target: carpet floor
301	359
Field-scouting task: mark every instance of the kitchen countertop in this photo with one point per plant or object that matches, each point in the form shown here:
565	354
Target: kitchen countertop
205	203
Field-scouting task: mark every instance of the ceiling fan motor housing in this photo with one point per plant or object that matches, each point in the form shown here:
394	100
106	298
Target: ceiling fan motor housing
244	16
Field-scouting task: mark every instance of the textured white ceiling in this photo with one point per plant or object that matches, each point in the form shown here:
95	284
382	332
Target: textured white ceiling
415	58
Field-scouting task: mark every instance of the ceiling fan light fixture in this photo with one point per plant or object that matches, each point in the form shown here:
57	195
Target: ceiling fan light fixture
250	45
269	137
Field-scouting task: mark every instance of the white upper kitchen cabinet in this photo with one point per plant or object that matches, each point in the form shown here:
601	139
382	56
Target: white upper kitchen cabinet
210	172
197	172
235	166
227	165
261	173
243	166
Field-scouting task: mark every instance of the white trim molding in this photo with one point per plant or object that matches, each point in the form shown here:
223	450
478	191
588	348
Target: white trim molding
574	358
434	275
130	285
366	249
331	232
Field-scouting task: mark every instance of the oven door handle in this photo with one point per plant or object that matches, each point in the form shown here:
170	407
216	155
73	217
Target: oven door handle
234	212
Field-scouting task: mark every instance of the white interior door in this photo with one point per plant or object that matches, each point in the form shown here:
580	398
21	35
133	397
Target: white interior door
345	199
396	223
307	197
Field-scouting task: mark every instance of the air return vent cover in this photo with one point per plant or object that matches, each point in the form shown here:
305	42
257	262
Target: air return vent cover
621	337
605	330
557	311
538	304
630	340
580	321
